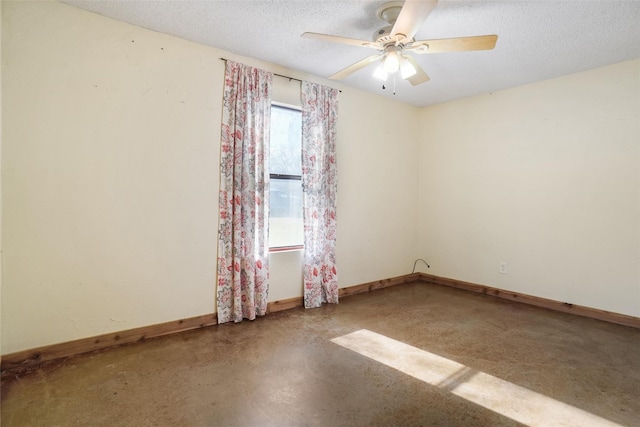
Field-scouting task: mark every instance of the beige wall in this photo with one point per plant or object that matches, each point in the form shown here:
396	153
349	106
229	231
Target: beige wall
110	151
110	177
545	177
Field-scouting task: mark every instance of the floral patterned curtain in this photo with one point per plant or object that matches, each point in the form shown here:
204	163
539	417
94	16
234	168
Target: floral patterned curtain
243	244
319	185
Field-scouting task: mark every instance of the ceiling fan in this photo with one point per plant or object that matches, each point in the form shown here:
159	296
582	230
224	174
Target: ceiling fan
395	41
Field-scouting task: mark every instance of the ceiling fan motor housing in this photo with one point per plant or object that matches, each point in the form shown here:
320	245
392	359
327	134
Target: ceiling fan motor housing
383	35
387	12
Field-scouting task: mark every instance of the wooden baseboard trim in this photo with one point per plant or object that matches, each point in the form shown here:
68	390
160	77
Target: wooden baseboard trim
594	313
27	360
378	284
287	304
24	361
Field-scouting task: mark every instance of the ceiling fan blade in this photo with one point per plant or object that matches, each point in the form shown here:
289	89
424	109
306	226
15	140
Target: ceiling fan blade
460	44
412	15
346	72
343	40
420	76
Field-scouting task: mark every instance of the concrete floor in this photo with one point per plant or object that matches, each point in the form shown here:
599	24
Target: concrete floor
411	355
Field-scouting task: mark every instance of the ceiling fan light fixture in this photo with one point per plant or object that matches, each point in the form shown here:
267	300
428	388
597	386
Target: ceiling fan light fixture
391	62
406	68
380	73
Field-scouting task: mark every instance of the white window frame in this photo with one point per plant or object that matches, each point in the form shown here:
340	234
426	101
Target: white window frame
286	177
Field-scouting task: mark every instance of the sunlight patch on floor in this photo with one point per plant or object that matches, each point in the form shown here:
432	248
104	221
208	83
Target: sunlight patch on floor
510	400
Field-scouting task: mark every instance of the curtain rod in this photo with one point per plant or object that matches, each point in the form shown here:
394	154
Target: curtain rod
276	74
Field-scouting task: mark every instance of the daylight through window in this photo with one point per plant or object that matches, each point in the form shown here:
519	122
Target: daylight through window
285	216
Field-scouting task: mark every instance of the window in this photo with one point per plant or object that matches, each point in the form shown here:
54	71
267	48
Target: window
285	216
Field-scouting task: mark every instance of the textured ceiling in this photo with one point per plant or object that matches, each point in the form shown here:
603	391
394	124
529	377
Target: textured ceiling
537	39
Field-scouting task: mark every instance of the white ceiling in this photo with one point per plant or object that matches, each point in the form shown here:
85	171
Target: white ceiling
537	39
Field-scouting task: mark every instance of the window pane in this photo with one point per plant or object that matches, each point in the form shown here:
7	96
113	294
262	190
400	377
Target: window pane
286	141
285	216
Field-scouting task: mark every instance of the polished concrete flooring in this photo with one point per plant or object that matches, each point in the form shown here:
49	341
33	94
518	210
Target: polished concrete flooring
410	355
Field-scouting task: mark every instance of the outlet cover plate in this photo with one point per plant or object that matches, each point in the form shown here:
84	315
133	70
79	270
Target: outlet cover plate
502	267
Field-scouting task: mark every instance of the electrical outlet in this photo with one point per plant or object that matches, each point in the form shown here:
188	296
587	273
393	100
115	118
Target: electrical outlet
502	268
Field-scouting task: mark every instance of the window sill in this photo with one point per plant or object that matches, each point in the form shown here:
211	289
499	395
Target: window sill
286	248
